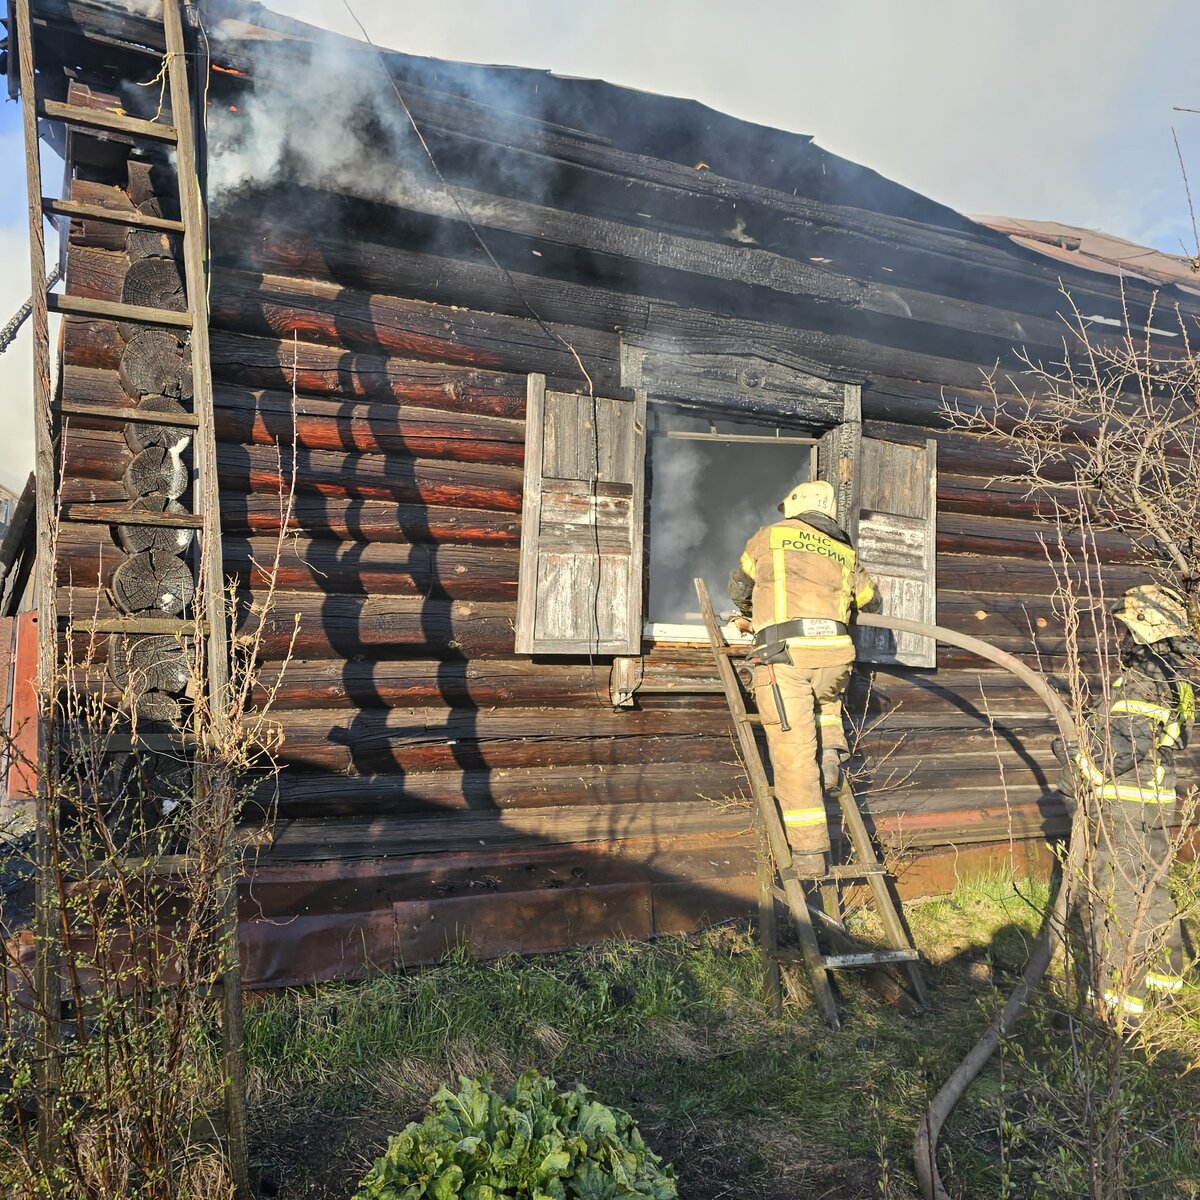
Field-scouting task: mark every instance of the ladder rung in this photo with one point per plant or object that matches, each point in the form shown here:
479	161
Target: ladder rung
99	515
734	651
749	718
868	958
124	413
131	625
109	122
843	962
853	871
123	743
83	306
837	874
118	216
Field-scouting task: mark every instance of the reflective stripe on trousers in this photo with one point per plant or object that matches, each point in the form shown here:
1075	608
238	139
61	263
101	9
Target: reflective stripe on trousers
806	691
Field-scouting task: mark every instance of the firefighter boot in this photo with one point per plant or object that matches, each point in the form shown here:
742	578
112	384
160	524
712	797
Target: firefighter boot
810	866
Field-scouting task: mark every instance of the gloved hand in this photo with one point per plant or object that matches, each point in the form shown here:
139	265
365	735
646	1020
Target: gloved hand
742	624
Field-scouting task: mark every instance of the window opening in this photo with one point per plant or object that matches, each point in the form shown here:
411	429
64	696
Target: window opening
713	482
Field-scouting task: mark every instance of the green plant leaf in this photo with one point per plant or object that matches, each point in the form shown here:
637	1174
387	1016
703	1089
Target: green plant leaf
535	1143
447	1185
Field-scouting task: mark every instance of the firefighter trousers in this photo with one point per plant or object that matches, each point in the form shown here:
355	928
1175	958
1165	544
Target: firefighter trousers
812	699
1136	940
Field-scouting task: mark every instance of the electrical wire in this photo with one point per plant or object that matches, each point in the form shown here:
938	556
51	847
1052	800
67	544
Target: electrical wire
450	191
553	334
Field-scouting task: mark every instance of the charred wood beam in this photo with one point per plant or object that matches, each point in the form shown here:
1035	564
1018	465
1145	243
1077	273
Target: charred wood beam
960	533
382	683
852	236
88	558
1032	578
728	268
255	416
343	519
301	753
575	825
96	458
674	196
322	370
295	794
279	305
276	306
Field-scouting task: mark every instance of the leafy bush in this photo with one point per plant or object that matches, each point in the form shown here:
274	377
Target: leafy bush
536	1143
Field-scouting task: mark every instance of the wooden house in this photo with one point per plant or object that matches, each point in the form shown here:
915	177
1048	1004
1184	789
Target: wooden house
547	361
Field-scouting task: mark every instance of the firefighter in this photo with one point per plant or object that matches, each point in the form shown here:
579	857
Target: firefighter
795	586
1127	763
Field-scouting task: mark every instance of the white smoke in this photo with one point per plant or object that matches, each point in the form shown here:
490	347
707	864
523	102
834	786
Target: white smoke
325	121
144	8
675	515
706	500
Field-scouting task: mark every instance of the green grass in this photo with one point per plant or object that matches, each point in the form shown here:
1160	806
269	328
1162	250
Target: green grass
675	1032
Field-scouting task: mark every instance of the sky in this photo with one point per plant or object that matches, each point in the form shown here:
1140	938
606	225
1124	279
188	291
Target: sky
1046	109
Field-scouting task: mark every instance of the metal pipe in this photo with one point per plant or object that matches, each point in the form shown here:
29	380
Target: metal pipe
940	1107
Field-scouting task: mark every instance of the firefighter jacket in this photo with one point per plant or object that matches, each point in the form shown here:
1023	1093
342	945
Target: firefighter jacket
1129	754
797	582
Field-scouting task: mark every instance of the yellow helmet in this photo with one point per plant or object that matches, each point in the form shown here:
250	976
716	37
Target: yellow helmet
1153	613
810	497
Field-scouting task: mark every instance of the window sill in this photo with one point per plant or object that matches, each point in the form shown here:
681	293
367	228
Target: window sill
660	633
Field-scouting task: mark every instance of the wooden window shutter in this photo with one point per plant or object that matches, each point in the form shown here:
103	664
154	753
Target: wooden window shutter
580	584
897	536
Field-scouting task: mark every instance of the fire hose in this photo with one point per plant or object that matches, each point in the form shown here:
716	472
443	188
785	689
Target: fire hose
940	1107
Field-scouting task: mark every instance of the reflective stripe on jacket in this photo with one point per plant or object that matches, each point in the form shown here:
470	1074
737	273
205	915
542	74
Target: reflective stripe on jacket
1147	721
794	569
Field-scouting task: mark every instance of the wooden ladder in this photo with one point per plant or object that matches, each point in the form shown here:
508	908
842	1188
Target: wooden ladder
180	134
779	881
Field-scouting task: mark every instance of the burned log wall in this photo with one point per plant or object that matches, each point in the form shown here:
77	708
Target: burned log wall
370	353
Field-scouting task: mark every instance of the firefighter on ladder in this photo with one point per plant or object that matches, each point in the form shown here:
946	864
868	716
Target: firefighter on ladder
1127	764
795	586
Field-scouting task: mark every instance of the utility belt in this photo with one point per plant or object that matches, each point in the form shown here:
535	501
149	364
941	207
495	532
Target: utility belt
771	641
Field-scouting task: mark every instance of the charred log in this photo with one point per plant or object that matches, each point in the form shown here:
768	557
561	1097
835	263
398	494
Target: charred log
155	364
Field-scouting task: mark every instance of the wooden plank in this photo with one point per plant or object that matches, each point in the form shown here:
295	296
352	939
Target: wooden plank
384	682
196	266
897	541
107	122
531	516
130	625
88	514
531	922
83	306
580	575
125	414
78	211
634	469
46	902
